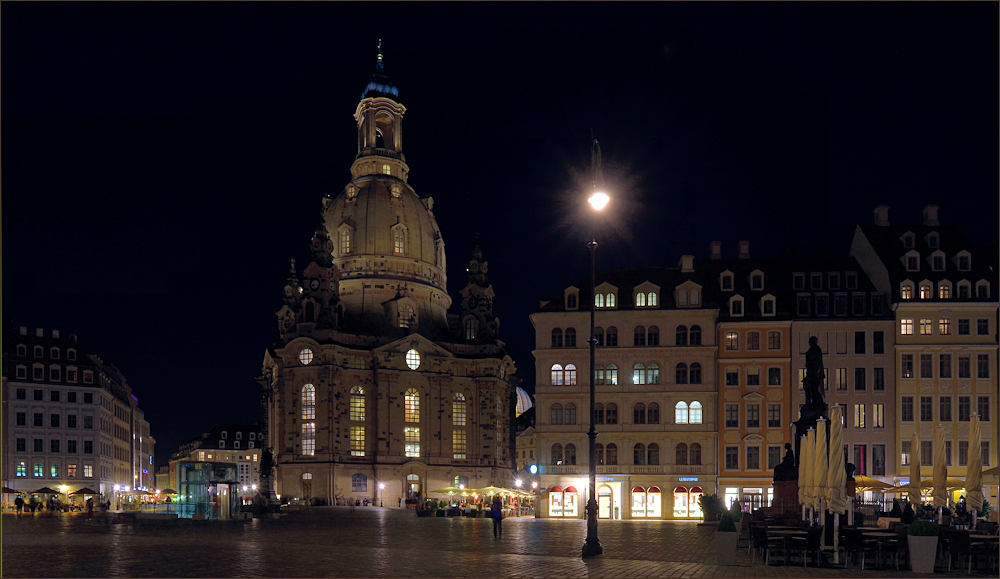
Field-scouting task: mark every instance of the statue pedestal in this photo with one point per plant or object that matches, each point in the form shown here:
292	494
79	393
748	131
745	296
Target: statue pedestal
811	413
786	496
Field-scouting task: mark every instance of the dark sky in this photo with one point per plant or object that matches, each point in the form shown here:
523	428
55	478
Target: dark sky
162	162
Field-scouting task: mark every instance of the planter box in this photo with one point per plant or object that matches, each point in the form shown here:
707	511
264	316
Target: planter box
441	513
725	548
923	551
423	513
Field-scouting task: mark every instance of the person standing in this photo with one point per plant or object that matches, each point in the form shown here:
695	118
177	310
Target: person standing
90	507
497	513
19	504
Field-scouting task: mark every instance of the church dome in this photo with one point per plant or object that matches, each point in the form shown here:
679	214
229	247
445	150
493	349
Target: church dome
387	245
523	402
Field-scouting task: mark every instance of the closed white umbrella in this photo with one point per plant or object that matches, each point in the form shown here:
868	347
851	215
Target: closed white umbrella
974	474
821	464
804	472
940	469
836	486
914	486
809	457
836	493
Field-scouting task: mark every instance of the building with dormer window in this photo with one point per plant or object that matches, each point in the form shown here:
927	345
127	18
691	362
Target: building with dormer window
371	380
945	335
655	379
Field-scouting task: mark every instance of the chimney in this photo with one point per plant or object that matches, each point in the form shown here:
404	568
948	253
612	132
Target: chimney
715	250
882	215
687	263
24	330
73	337
39	332
930	215
55	333
744	249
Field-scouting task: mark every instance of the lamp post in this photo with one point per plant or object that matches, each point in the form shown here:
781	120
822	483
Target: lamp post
598	200
381	494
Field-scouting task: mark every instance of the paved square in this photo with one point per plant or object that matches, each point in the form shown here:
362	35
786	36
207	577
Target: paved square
371	542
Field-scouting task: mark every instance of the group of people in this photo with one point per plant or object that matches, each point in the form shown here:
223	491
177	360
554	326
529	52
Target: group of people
33	504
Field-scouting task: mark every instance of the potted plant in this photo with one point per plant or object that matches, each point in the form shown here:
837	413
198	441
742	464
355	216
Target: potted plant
711	506
736	514
725	540
922	537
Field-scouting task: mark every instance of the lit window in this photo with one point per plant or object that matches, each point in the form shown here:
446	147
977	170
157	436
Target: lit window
357	404
406	316
569	377
470	329
640	300
458	410
906	326
345	241
308	402
413	359
695	416
944	292
359	483
386	170
944	327
557	374
653	374
681	413
308	438
925	326
399	241
411	435
357	441
305	356
732	341
651	299
925	292
88	471
458	444
599	300
22	469
611	300
639	374
906	292
411	408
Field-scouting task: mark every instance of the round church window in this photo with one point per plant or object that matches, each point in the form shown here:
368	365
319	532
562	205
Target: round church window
413	359
305	356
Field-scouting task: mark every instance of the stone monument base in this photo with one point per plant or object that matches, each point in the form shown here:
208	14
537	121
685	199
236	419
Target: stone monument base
786	495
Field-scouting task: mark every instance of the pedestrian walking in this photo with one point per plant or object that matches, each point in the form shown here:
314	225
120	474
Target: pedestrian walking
90	508
33	504
497	513
399	502
19	504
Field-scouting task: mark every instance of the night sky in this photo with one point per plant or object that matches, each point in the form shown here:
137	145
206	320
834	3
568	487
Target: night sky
163	162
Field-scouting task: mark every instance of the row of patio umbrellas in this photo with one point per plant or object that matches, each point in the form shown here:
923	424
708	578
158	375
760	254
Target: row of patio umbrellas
940	481
822	478
490	490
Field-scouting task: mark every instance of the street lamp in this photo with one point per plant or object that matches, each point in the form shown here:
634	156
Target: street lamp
381	494
598	200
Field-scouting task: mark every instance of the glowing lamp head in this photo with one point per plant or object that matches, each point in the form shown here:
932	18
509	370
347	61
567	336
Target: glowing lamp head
381	486
253	487
534	484
517	483
461	487
599	200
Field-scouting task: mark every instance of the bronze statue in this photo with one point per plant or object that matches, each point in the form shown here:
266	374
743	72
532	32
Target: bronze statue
812	384
786	469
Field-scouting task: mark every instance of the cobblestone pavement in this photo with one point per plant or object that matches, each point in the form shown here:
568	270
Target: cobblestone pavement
372	542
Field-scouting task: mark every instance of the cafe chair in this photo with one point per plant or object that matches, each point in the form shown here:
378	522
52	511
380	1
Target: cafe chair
898	548
959	545
811	543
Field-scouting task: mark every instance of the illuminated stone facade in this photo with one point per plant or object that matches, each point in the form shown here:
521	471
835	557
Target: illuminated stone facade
371	382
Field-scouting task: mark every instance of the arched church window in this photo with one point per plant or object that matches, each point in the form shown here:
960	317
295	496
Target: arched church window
358	404
470	329
386	170
308	402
